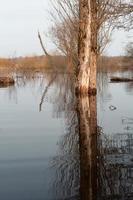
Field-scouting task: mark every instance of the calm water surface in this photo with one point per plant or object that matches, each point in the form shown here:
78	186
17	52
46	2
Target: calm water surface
40	144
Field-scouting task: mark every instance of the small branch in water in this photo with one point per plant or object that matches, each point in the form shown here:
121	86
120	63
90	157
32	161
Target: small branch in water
46	53
120	79
52	65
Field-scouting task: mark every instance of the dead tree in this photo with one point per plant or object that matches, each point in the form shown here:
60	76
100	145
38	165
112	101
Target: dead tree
109	14
87	47
93	15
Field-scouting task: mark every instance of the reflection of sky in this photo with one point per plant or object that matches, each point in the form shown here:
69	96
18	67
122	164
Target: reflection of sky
27	143
19	22
112	121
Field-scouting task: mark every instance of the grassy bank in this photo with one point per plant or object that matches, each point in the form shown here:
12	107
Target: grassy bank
114	64
59	63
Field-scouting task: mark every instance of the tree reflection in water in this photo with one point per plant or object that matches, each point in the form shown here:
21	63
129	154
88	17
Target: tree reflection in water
88	147
75	163
116	166
66	163
91	165
66	183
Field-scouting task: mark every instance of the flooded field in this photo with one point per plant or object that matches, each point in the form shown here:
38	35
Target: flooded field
45	152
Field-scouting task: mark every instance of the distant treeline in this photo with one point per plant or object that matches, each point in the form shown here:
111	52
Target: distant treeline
61	63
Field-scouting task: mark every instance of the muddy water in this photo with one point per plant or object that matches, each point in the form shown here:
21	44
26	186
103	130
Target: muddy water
40	143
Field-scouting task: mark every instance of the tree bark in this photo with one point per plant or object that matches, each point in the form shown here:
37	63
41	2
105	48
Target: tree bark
87	114
87	47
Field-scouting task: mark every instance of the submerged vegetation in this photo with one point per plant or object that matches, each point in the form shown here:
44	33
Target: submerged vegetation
6	81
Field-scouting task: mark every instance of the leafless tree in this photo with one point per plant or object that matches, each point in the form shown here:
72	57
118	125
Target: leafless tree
96	15
64	32
66	23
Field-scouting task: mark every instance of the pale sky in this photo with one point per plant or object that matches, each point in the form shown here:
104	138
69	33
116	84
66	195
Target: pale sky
20	21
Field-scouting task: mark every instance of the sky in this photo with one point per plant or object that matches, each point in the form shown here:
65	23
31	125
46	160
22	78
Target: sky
20	21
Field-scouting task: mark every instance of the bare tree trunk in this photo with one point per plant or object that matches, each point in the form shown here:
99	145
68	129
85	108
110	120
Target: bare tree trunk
88	147
87	47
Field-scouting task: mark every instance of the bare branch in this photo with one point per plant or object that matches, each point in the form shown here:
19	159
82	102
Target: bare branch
42	45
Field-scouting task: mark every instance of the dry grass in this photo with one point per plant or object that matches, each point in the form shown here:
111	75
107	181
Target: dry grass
6	63
31	65
114	64
35	62
40	62
59	63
